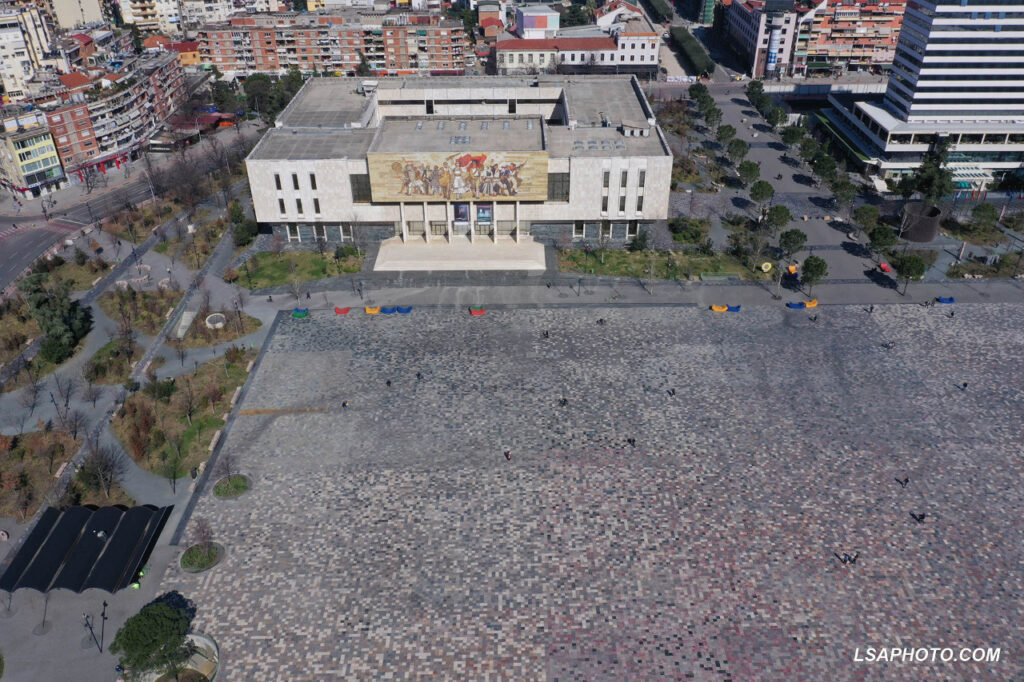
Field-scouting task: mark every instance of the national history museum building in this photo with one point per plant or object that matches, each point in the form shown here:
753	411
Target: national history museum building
474	166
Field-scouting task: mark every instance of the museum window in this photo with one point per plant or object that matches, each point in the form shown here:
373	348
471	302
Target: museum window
623	178
642	179
604	204
558	187
277	180
607	178
320	232
298	206
640	203
578	230
293	233
280	206
360	188
295	180
316	206
345	232
312	181
632	229
622	204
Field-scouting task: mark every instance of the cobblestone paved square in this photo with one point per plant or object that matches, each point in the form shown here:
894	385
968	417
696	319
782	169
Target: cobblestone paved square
635	534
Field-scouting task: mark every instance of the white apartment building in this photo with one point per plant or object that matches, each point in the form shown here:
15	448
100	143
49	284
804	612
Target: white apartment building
152	15
74	13
195	13
959	76
463	161
764	40
24	43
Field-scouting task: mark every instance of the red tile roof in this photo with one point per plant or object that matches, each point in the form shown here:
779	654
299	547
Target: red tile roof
491	21
74	80
187	46
616	4
557	44
82	38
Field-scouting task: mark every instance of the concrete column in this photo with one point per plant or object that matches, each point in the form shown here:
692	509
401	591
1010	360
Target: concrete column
517	222
472	223
449	218
405	225
426	223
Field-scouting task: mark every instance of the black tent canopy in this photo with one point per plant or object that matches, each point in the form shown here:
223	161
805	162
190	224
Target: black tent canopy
81	548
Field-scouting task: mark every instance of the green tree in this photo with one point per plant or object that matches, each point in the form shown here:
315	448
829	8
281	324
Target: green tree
154	638
808	148
824	166
259	91
62	321
792	134
705	103
813	271
984	216
725	133
776	218
776	117
736	150
932	179
866	217
575	16
748	172
364	69
910	267
713	116
791	241
843	191
760	192
754	88
881	238
697	89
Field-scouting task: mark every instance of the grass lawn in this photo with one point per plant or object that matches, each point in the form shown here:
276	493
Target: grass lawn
153	427
200	336
38	369
147	308
81	277
666	264
142	220
199	558
270	270
232	486
967	232
79	494
26	470
16	327
1006	267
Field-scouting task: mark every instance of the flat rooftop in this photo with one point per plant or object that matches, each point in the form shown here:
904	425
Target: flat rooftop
332	118
459	135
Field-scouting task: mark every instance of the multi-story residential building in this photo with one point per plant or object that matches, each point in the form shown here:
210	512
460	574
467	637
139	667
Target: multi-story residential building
622	41
29	162
105	120
24	45
848	35
152	15
958	76
195	13
537	21
74	13
763	39
393	43
435	163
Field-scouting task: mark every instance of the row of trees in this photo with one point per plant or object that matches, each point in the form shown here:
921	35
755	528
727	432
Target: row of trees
63	322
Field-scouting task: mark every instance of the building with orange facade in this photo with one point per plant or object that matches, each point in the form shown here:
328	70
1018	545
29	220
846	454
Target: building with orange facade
847	35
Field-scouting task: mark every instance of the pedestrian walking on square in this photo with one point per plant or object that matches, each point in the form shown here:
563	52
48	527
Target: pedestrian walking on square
388	383
871	308
963	387
344	405
508	455
307	295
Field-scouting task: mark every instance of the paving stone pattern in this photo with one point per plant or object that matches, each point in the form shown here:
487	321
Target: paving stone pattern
393	539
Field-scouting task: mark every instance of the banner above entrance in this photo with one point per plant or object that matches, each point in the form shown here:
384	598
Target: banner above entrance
464	176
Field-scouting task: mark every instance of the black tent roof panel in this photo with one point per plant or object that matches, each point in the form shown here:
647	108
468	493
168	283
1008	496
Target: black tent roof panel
82	548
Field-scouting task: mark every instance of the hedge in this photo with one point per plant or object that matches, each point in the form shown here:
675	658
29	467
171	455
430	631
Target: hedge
693	50
658	10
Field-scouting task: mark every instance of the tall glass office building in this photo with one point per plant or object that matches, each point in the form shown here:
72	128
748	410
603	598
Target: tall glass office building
958	76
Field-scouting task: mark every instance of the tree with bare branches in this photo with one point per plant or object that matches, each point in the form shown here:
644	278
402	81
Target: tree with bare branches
91	393
75	422
188	401
29	398
66	386
203	533
103	467
227	464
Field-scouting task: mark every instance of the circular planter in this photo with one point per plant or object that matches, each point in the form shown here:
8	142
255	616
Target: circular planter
216	320
221	553
222	491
